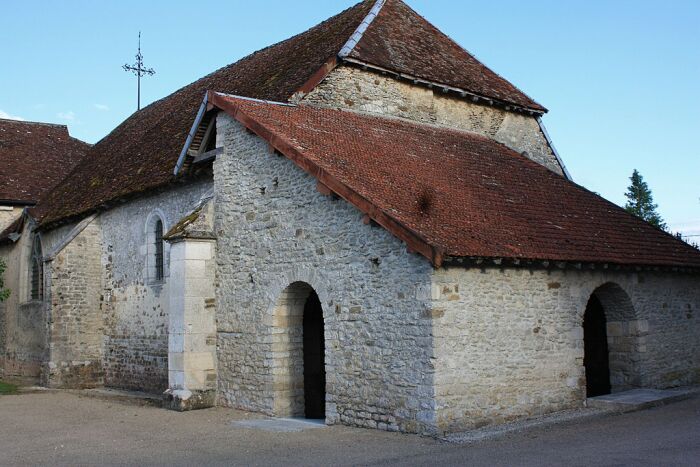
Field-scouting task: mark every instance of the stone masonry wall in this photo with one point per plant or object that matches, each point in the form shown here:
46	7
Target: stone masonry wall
136	305
22	321
365	91
275	229
73	290
509	342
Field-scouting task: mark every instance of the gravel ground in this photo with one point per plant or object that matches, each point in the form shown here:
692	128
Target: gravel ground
54	427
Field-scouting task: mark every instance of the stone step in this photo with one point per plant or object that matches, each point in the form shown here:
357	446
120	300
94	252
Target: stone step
638	399
281	425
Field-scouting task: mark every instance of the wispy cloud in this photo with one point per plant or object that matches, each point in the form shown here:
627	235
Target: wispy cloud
4	114
70	115
101	107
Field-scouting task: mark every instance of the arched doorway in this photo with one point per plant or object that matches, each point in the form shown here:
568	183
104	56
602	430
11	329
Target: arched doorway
612	341
595	353
298	354
314	359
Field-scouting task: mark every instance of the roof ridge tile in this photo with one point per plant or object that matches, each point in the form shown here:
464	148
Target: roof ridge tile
361	28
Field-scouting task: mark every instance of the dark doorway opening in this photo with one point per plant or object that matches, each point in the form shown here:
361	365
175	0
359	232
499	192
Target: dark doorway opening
595	348
314	359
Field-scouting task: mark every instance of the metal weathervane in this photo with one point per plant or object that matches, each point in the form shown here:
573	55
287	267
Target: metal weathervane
138	69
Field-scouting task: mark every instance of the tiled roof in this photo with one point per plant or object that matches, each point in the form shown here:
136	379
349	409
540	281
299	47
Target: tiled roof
139	154
400	40
34	157
451	193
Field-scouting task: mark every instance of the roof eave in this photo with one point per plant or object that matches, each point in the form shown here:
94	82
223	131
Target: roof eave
558	264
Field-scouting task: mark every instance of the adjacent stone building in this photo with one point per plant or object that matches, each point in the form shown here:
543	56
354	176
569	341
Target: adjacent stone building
363	224
34	158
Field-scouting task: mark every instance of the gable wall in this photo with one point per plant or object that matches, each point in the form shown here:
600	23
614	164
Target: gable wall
509	342
273	229
72	301
365	91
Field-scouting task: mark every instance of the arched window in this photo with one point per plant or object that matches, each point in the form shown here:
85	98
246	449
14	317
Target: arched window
158	249
37	273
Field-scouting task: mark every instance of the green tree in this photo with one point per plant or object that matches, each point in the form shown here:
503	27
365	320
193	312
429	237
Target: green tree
640	202
4	293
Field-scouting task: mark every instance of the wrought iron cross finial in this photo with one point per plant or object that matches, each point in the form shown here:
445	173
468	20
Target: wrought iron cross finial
138	69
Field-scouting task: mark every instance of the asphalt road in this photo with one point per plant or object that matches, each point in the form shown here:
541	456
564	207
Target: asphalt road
51	428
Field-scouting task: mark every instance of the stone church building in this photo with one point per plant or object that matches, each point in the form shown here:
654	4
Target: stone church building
362	223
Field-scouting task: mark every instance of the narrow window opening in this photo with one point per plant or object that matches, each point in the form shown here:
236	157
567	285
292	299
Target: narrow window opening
159	249
37	282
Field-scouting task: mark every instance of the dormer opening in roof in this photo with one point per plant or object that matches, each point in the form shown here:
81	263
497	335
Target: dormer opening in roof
200	146
204	139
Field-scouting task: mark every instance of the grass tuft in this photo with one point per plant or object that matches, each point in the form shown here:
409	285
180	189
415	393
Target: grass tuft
7	388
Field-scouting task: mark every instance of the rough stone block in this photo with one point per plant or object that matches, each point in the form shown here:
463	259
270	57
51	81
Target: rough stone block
184	400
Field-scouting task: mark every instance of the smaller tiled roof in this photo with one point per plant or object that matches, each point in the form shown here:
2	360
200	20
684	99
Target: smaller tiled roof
451	193
198	223
35	157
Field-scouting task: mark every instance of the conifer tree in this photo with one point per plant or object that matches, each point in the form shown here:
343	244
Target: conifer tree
640	202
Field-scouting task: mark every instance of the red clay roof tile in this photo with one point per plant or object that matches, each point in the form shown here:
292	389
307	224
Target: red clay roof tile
34	157
461	194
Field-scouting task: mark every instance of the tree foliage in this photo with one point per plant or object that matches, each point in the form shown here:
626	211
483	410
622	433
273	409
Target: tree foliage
4	293
640	202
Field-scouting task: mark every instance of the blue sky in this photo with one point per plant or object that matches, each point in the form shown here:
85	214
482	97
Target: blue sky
620	78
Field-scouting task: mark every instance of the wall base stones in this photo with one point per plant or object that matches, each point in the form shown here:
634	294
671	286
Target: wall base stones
73	375
138	363
182	400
